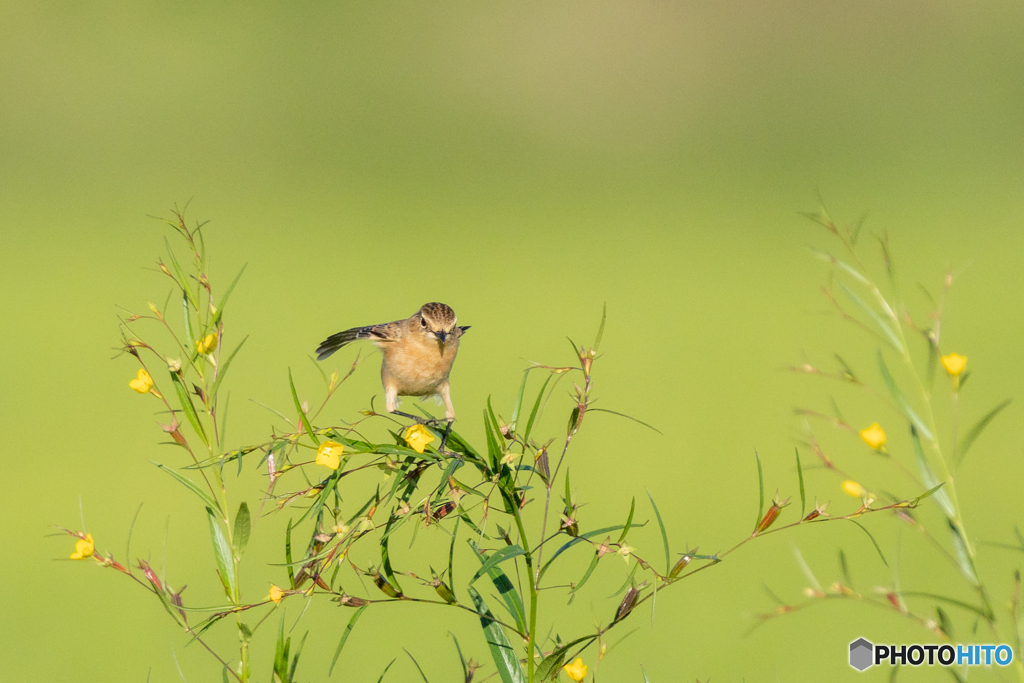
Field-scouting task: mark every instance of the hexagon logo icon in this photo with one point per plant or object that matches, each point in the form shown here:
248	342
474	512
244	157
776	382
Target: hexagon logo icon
861	654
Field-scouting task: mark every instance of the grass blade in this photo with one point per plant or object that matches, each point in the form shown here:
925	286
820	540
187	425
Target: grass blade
878	548
664	535
629	520
504	656
800	474
418	667
298	407
243	526
901	401
496	558
536	407
190	485
929	478
186	406
976	430
887	332
223	369
344	636
760	487
506	589
225	562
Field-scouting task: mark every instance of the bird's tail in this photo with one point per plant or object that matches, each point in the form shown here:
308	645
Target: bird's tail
336	341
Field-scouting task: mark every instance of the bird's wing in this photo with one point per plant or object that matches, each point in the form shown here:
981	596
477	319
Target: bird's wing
378	333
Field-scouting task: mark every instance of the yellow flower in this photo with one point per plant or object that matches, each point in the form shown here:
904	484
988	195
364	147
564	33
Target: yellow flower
418	437
873	436
144	383
329	454
577	671
275	594
954	364
852	488
84	547
207	344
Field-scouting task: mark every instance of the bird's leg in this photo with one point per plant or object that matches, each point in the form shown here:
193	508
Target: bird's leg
447	433
432	421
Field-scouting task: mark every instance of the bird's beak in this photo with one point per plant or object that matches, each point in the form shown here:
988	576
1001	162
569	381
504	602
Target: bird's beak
441	337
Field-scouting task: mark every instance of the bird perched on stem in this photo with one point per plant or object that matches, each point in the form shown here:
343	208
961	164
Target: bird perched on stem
418	354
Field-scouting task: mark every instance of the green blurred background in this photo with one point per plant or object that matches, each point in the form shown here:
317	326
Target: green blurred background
525	163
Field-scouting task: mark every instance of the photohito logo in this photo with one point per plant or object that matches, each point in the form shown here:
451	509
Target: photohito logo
864	654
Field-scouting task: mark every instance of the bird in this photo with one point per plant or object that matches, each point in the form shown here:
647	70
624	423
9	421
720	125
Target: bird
418	354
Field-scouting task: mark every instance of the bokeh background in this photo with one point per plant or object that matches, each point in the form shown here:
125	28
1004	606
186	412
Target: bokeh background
526	163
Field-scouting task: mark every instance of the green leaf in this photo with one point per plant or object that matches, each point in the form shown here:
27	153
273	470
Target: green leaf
878	548
664	534
887	332
579	539
225	562
552	664
223	369
190	485
600	330
385	670
506	589
505	659
844	567
496	558
760	487
629	520
963	555
302	413
462	659
929	478
344	637
628	417
590	570
227	295
800	475
418	667
385	557
243	526
519	399
187	407
536	407
852	272
901	401
976	430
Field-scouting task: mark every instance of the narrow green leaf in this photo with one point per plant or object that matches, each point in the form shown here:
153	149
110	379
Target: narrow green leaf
497	557
385	670
288	554
344	637
628	417
536	407
552	664
190	485
878	548
243	526
929	478
901	401
506	589
186	406
887	333
963	555
385	557
664	534
302	413
451	553
849	270
222	550
845	568
976	430
644	672
187	313
519	399
590	570
629	520
418	667
462	659
800	475
227	295
579	539
927	493
760	488
504	656
952	601
223	369
600	330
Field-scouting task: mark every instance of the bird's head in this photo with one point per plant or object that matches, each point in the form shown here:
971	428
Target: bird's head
437	321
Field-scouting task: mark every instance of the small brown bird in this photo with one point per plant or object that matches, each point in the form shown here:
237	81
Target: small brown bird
418	354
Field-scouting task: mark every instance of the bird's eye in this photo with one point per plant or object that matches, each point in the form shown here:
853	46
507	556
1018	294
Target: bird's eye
423	322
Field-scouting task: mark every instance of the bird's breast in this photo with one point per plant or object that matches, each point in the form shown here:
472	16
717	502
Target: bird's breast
417	368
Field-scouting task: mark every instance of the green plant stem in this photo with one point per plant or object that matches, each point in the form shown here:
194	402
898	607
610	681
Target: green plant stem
531	639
